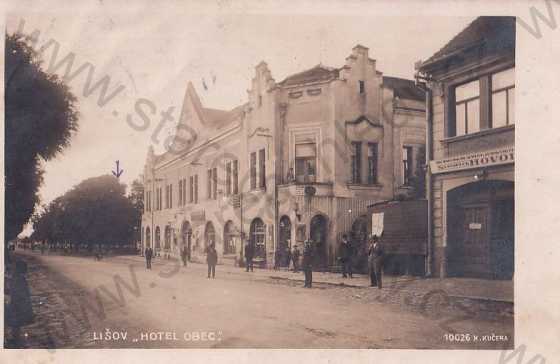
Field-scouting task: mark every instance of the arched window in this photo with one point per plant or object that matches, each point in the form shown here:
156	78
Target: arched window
167	245
209	234
358	240
186	237
158	243
230	237
318	230
147	240
284	242
258	238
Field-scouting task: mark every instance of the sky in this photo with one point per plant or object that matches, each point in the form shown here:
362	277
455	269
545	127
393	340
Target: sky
153	52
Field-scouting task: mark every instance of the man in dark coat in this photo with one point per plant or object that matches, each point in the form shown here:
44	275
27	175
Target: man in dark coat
212	260
346	254
375	262
307	263
148	253
295	258
249	254
184	255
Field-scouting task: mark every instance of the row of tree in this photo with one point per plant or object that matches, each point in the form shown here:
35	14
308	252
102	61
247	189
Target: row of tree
96	212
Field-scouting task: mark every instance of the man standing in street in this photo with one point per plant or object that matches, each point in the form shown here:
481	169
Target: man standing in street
307	263
249	254
212	260
148	254
184	255
295	258
375	262
346	256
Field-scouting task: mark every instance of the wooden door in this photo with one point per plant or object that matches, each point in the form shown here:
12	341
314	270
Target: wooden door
475	245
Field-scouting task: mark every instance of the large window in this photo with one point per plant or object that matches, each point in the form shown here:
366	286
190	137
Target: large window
214	183
228	178
372	163
306	162
180	192
235	177
184	193
169	196
406	165
467	108
229	238
231	178
148	204
503	98
209	184
356	162
483	103
257	234
196	188
253	171
262	169
159	198
191	189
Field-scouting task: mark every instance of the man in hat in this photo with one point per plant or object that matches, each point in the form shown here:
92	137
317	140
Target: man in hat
295	258
249	255
307	263
211	259
375	261
346	254
148	253
184	255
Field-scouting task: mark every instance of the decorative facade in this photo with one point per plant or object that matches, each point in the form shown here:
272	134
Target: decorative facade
302	159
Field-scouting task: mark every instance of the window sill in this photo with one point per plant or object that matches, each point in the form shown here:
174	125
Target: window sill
478	134
310	183
361	186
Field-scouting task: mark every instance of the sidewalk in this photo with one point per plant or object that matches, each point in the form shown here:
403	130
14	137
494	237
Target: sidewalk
499	291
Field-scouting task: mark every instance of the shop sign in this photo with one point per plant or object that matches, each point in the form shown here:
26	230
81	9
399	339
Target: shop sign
474	160
377	223
475	226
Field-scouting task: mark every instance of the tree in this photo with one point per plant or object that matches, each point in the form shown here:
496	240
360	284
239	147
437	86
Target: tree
136	197
95	212
40	119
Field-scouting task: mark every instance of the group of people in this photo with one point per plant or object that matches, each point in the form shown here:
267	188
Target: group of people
375	254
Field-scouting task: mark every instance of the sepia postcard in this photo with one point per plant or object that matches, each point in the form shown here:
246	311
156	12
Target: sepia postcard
264	175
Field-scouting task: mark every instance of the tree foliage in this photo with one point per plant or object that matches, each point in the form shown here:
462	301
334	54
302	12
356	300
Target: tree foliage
40	119
95	212
136	197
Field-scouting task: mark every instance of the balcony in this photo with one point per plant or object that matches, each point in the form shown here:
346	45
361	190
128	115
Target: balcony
296	188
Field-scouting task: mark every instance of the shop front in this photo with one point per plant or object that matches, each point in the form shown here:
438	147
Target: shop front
476	193
480	226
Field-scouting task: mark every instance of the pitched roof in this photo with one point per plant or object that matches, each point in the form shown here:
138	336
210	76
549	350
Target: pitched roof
317	73
493	33
403	88
220	118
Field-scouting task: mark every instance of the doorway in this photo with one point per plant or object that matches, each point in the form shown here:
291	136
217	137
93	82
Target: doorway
481	230
318	231
284	242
